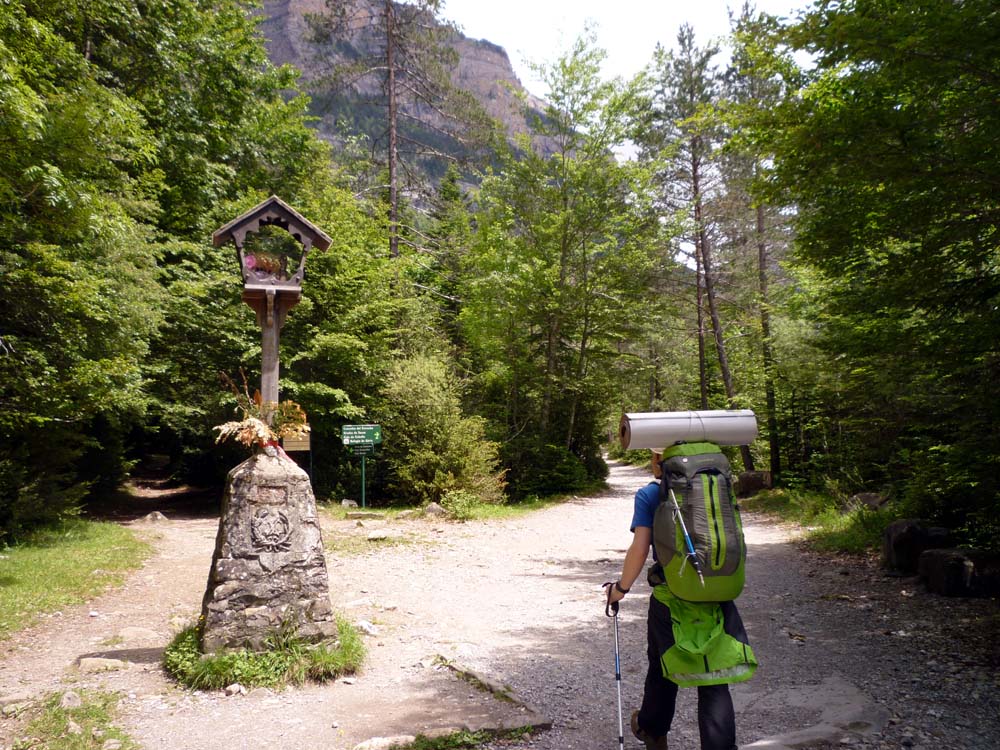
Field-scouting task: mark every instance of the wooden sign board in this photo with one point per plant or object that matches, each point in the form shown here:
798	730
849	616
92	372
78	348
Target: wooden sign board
300	443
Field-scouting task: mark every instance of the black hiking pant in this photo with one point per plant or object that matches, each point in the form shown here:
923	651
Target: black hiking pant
716	718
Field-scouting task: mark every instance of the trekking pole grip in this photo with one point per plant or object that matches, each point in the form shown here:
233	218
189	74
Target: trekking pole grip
611	609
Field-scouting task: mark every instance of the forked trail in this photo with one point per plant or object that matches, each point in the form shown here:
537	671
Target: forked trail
520	601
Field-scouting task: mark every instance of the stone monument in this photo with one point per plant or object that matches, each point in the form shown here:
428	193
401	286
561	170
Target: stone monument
268	570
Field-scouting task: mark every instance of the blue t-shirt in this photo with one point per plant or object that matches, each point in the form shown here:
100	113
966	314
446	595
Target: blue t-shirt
646	500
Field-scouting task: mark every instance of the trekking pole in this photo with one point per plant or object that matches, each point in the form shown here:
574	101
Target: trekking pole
611	610
692	555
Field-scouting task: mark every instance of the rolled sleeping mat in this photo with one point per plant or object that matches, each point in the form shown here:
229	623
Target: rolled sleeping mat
658	430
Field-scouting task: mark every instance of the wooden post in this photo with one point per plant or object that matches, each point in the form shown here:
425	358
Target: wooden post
272	308
269	351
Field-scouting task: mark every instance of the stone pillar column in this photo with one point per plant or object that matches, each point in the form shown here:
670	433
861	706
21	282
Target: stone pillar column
268	570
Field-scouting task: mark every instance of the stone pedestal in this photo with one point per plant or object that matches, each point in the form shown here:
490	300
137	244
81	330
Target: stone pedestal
268	570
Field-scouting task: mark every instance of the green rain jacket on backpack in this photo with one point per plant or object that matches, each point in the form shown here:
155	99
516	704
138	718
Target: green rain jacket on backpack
703	652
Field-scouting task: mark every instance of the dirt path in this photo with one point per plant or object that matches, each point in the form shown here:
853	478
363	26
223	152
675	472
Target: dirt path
520	602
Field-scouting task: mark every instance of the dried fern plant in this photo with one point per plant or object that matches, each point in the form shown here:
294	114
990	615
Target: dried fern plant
263	422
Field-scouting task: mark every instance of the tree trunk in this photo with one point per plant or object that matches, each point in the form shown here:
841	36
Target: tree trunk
767	350
390	60
654	378
713	310
581	370
700	303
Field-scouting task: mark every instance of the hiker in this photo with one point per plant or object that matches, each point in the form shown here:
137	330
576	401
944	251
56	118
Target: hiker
723	637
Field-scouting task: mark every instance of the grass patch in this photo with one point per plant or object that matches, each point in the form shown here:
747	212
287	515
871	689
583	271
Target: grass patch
85	727
287	660
532	503
460	508
342	545
465	739
61	567
338	512
828	526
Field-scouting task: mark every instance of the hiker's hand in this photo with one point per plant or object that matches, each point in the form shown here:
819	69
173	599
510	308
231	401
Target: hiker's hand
613	597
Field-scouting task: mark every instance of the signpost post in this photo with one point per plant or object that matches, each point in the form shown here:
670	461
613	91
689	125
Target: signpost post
362	439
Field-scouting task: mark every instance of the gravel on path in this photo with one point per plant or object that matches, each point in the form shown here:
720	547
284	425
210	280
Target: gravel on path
520	601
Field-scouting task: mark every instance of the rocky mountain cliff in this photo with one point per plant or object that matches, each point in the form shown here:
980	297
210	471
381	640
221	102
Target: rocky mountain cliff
484	69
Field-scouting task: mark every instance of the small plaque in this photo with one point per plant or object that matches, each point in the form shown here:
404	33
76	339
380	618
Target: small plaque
270	495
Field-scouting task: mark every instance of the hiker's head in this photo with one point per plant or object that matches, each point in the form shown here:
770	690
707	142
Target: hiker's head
657	457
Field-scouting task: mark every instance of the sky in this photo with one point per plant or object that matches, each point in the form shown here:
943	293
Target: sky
628	30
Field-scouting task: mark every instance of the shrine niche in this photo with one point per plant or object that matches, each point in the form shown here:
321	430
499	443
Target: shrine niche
272	241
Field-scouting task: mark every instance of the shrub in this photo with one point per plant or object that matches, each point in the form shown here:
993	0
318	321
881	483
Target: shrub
459	504
543	469
431	447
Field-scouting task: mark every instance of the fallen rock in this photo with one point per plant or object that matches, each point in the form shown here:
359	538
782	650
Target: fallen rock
235	689
12	709
378	536
70	699
346	503
97	664
433	509
408	515
14	699
749	483
870	500
73	728
134	634
367	628
903	542
362	515
112	745
960	572
153	518
384	743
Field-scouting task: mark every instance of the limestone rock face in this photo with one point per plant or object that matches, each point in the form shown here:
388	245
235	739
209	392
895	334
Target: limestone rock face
484	69
268	569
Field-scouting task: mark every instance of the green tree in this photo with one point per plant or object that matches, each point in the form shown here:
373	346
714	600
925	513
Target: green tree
562	262
675	133
410	61
127	132
755	229
889	151
432	447
78	300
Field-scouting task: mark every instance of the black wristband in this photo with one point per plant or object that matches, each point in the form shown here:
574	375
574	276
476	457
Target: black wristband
618	586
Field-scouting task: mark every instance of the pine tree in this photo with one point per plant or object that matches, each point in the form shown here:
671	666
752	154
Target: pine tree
407	72
683	84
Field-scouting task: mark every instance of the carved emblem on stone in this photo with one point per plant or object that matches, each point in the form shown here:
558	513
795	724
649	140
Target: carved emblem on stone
270	530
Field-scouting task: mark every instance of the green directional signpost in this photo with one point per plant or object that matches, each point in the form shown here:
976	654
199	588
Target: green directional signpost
361	439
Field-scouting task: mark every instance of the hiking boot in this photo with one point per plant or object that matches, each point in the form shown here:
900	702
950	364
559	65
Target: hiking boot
651	743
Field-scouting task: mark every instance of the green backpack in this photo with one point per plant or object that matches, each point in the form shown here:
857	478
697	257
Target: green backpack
707	563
